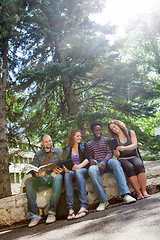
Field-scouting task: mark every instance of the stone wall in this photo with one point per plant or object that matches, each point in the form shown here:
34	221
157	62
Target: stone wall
14	209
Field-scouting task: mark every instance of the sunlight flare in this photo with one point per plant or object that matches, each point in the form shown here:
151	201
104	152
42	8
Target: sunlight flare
121	11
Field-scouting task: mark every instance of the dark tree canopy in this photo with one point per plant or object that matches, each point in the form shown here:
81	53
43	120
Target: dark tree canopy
60	70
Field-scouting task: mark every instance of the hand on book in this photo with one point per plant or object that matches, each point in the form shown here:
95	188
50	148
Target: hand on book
39	174
66	170
58	170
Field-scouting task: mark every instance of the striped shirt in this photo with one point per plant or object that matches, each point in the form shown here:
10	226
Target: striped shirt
99	149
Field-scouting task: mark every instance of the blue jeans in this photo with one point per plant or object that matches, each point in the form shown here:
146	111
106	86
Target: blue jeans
79	176
32	188
113	166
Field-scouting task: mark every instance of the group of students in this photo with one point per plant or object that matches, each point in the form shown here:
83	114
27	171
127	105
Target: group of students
94	159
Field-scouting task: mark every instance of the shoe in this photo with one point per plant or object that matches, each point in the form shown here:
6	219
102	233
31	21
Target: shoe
81	214
146	195
51	218
33	222
140	197
71	215
128	199
102	206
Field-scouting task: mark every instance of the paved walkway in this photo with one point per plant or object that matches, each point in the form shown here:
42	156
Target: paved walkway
138	221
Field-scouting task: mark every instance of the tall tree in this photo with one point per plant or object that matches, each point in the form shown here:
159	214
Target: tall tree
61	42
9	16
6	28
70	73
69	76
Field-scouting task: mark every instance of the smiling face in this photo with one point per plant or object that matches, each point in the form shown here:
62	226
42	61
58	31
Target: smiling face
77	137
97	131
47	143
114	128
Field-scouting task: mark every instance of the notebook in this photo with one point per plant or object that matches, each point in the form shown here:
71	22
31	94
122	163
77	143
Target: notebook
68	163
113	143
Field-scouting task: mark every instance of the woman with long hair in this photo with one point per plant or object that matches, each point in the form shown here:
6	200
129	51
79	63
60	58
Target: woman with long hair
79	154
126	153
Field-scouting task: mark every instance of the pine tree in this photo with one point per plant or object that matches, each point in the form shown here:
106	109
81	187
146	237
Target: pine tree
9	16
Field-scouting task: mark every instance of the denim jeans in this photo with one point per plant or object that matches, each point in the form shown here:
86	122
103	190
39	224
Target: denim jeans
113	166
32	188
79	176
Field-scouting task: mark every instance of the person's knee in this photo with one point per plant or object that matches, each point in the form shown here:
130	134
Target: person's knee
58	178
79	173
130	171
139	169
67	176
30	183
113	163
93	170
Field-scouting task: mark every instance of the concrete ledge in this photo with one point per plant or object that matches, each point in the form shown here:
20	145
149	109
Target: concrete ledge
14	209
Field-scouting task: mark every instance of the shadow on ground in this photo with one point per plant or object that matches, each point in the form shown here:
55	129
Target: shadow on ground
110	221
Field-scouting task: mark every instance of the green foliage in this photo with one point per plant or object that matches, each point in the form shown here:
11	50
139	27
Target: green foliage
65	78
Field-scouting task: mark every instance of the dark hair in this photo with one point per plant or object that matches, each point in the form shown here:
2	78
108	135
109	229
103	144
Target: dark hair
95	124
71	135
45	135
120	124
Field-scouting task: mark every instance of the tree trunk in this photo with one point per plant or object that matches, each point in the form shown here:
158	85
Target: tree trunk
69	92
5	189
70	97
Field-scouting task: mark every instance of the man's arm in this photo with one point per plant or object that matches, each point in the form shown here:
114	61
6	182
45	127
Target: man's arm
109	153
91	154
36	163
108	156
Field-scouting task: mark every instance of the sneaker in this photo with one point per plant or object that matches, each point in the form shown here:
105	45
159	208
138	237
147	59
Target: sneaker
128	199
102	206
33	222
51	218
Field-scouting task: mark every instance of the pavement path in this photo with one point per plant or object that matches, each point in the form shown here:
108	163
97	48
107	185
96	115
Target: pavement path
137	221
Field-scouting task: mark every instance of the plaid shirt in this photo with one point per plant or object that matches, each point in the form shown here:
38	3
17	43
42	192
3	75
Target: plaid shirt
99	149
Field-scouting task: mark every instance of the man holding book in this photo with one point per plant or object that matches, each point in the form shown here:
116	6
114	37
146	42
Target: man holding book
101	162
52	177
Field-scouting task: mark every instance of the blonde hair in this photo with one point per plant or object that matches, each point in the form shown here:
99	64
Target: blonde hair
71	137
120	124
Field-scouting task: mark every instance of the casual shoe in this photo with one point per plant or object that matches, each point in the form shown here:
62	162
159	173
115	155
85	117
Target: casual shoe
71	215
33	222
82	213
140	197
146	195
102	206
128	199
51	218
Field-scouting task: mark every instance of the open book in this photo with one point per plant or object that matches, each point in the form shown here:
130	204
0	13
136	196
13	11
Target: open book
47	168
113	144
